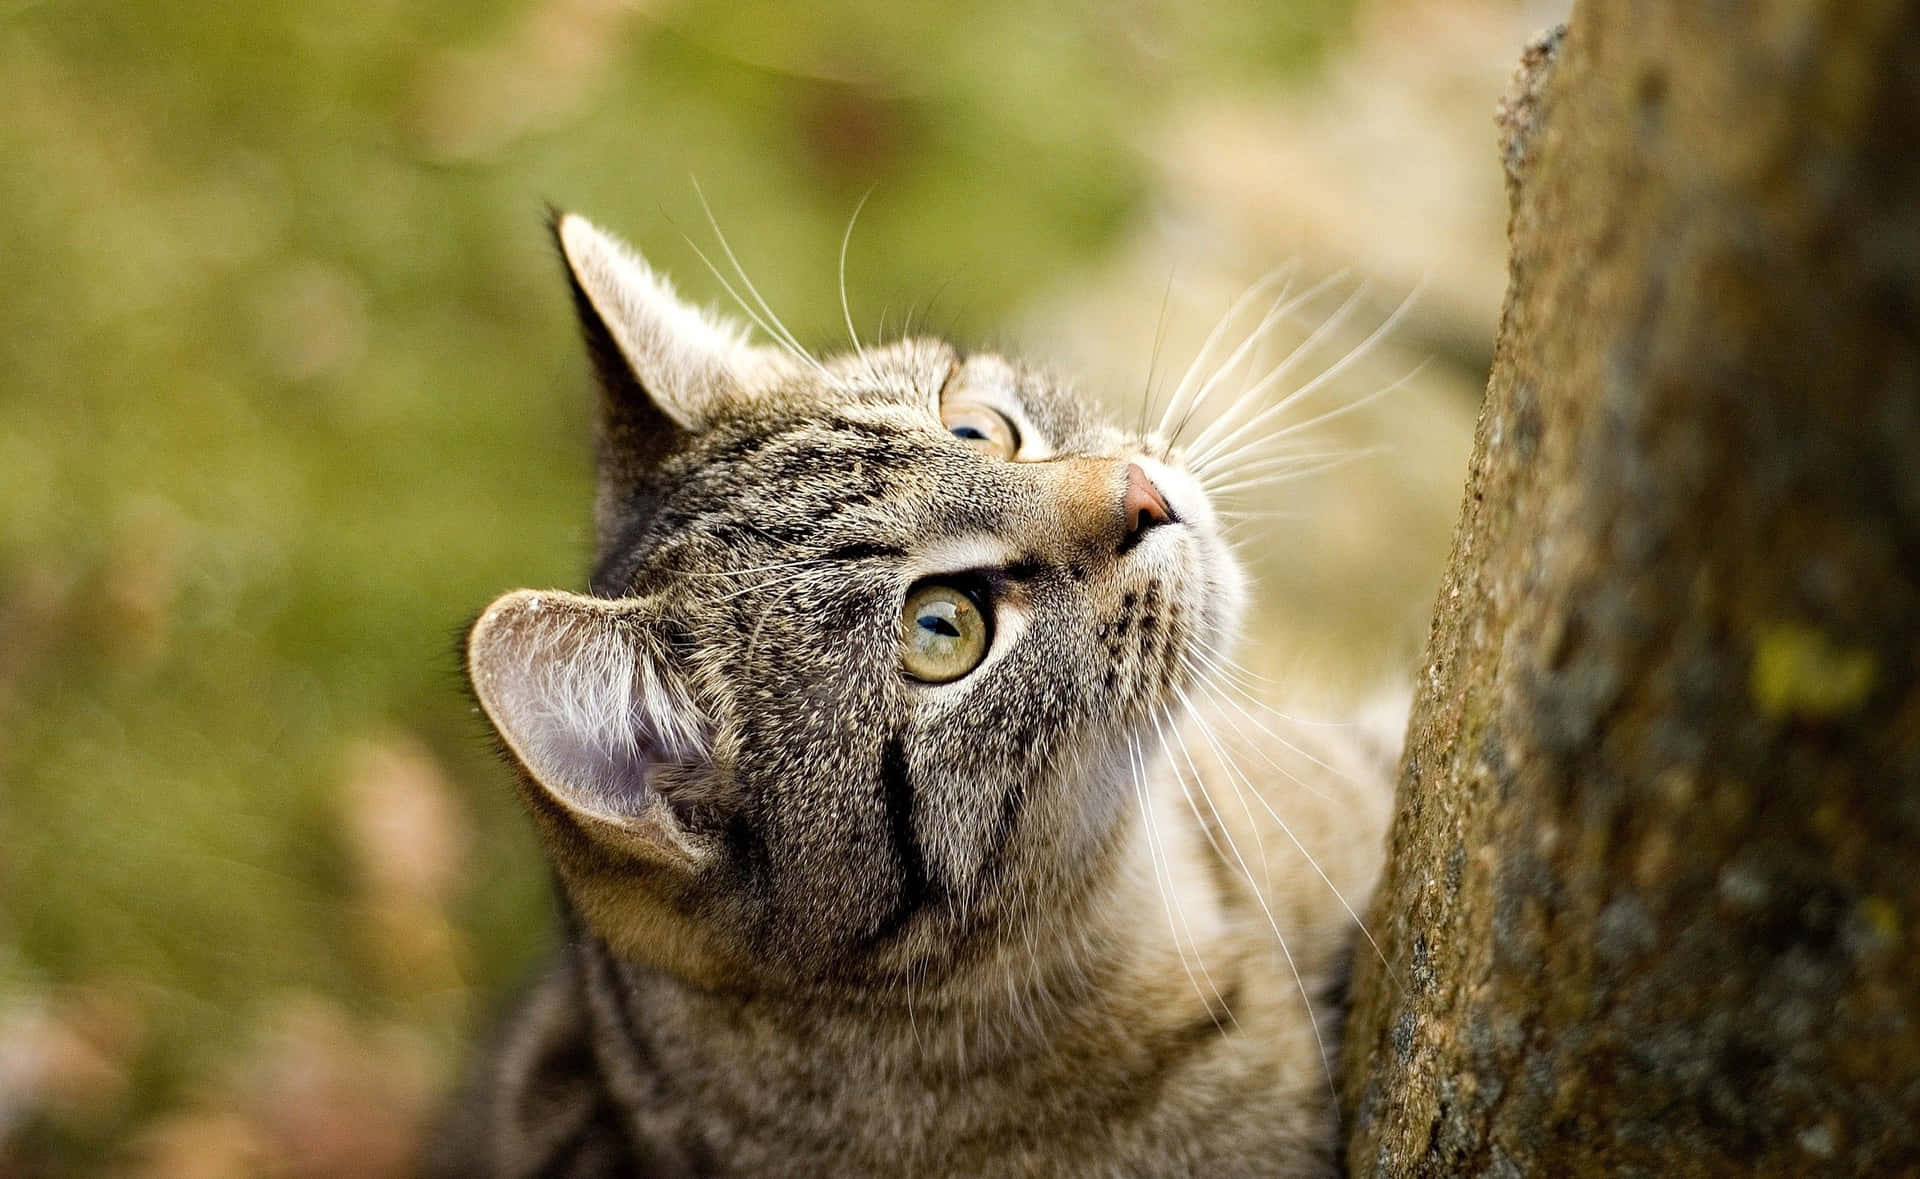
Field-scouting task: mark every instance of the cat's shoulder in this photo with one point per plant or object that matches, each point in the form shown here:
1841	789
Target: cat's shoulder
538	1108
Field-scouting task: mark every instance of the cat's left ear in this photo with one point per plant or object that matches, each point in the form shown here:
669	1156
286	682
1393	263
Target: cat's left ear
582	692
657	356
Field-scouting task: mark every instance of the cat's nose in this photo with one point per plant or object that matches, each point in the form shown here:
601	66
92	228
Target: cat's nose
1142	507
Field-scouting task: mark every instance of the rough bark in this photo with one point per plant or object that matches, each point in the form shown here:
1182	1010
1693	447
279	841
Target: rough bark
1653	898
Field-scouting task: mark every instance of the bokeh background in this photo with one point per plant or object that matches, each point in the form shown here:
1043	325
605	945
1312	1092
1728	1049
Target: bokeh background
289	390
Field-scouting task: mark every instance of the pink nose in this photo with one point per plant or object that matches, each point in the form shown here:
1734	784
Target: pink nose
1143	507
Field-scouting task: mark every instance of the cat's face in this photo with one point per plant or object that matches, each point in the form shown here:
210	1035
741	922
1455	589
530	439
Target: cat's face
874	647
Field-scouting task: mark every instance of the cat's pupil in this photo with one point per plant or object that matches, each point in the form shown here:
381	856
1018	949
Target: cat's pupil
940	625
970	433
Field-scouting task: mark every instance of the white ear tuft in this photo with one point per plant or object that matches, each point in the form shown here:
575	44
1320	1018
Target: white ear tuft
577	689
683	358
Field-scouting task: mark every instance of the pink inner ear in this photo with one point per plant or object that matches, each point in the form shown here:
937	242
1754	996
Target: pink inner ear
577	695
606	778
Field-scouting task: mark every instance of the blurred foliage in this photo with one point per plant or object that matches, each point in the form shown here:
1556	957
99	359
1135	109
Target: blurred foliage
289	391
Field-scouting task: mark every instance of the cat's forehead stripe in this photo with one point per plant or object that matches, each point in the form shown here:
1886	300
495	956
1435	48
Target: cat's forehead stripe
863	551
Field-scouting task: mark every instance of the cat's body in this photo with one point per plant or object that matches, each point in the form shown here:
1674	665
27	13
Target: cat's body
889	839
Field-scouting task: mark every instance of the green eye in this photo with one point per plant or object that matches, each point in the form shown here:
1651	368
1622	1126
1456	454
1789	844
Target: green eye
943	633
986	430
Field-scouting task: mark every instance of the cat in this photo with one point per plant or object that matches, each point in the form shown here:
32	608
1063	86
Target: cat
908	812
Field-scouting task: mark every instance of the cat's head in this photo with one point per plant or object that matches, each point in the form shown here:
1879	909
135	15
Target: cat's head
873	647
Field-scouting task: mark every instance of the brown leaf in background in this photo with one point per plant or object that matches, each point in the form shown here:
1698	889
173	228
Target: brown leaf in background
31	615
93	1034
474	103
314	1094
409	839
209	1144
68	1055
408	834
311	321
140	580
329	1097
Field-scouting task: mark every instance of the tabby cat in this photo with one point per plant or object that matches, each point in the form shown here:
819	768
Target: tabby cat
908	814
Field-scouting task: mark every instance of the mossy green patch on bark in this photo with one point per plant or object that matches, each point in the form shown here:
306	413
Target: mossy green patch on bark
1800	672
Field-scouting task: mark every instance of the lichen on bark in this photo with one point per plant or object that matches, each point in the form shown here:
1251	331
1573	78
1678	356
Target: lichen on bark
1652	905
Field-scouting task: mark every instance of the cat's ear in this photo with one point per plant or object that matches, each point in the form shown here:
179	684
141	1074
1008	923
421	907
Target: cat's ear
581	692
663	363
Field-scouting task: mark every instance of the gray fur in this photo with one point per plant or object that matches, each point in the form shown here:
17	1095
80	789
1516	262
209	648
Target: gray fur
829	920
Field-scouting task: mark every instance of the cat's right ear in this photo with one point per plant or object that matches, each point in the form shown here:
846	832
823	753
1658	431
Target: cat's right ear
582	695
663	363
613	749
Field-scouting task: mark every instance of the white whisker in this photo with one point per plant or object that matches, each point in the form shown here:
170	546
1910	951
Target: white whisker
1306	998
1169	890
1239	521
1228	459
1283	308
846	311
1234	769
772	324
1206	445
794	350
1295	455
1227	664
1265	282
1293	475
1223	450
1206	829
1153	359
1222	683
1287	468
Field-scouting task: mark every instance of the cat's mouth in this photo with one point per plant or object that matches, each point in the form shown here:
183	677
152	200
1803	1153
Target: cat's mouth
1199	564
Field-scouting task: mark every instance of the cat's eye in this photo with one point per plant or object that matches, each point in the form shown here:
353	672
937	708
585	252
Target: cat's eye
986	430
944	634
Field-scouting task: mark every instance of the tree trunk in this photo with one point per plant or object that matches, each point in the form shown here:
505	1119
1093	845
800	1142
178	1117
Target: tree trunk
1653	897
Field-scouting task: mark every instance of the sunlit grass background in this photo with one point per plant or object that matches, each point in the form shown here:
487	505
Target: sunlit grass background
288	390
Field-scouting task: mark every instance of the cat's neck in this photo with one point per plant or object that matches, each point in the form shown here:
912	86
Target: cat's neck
1157	921
1154	1007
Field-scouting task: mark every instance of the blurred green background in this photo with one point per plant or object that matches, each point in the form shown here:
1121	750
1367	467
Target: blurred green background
289	390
